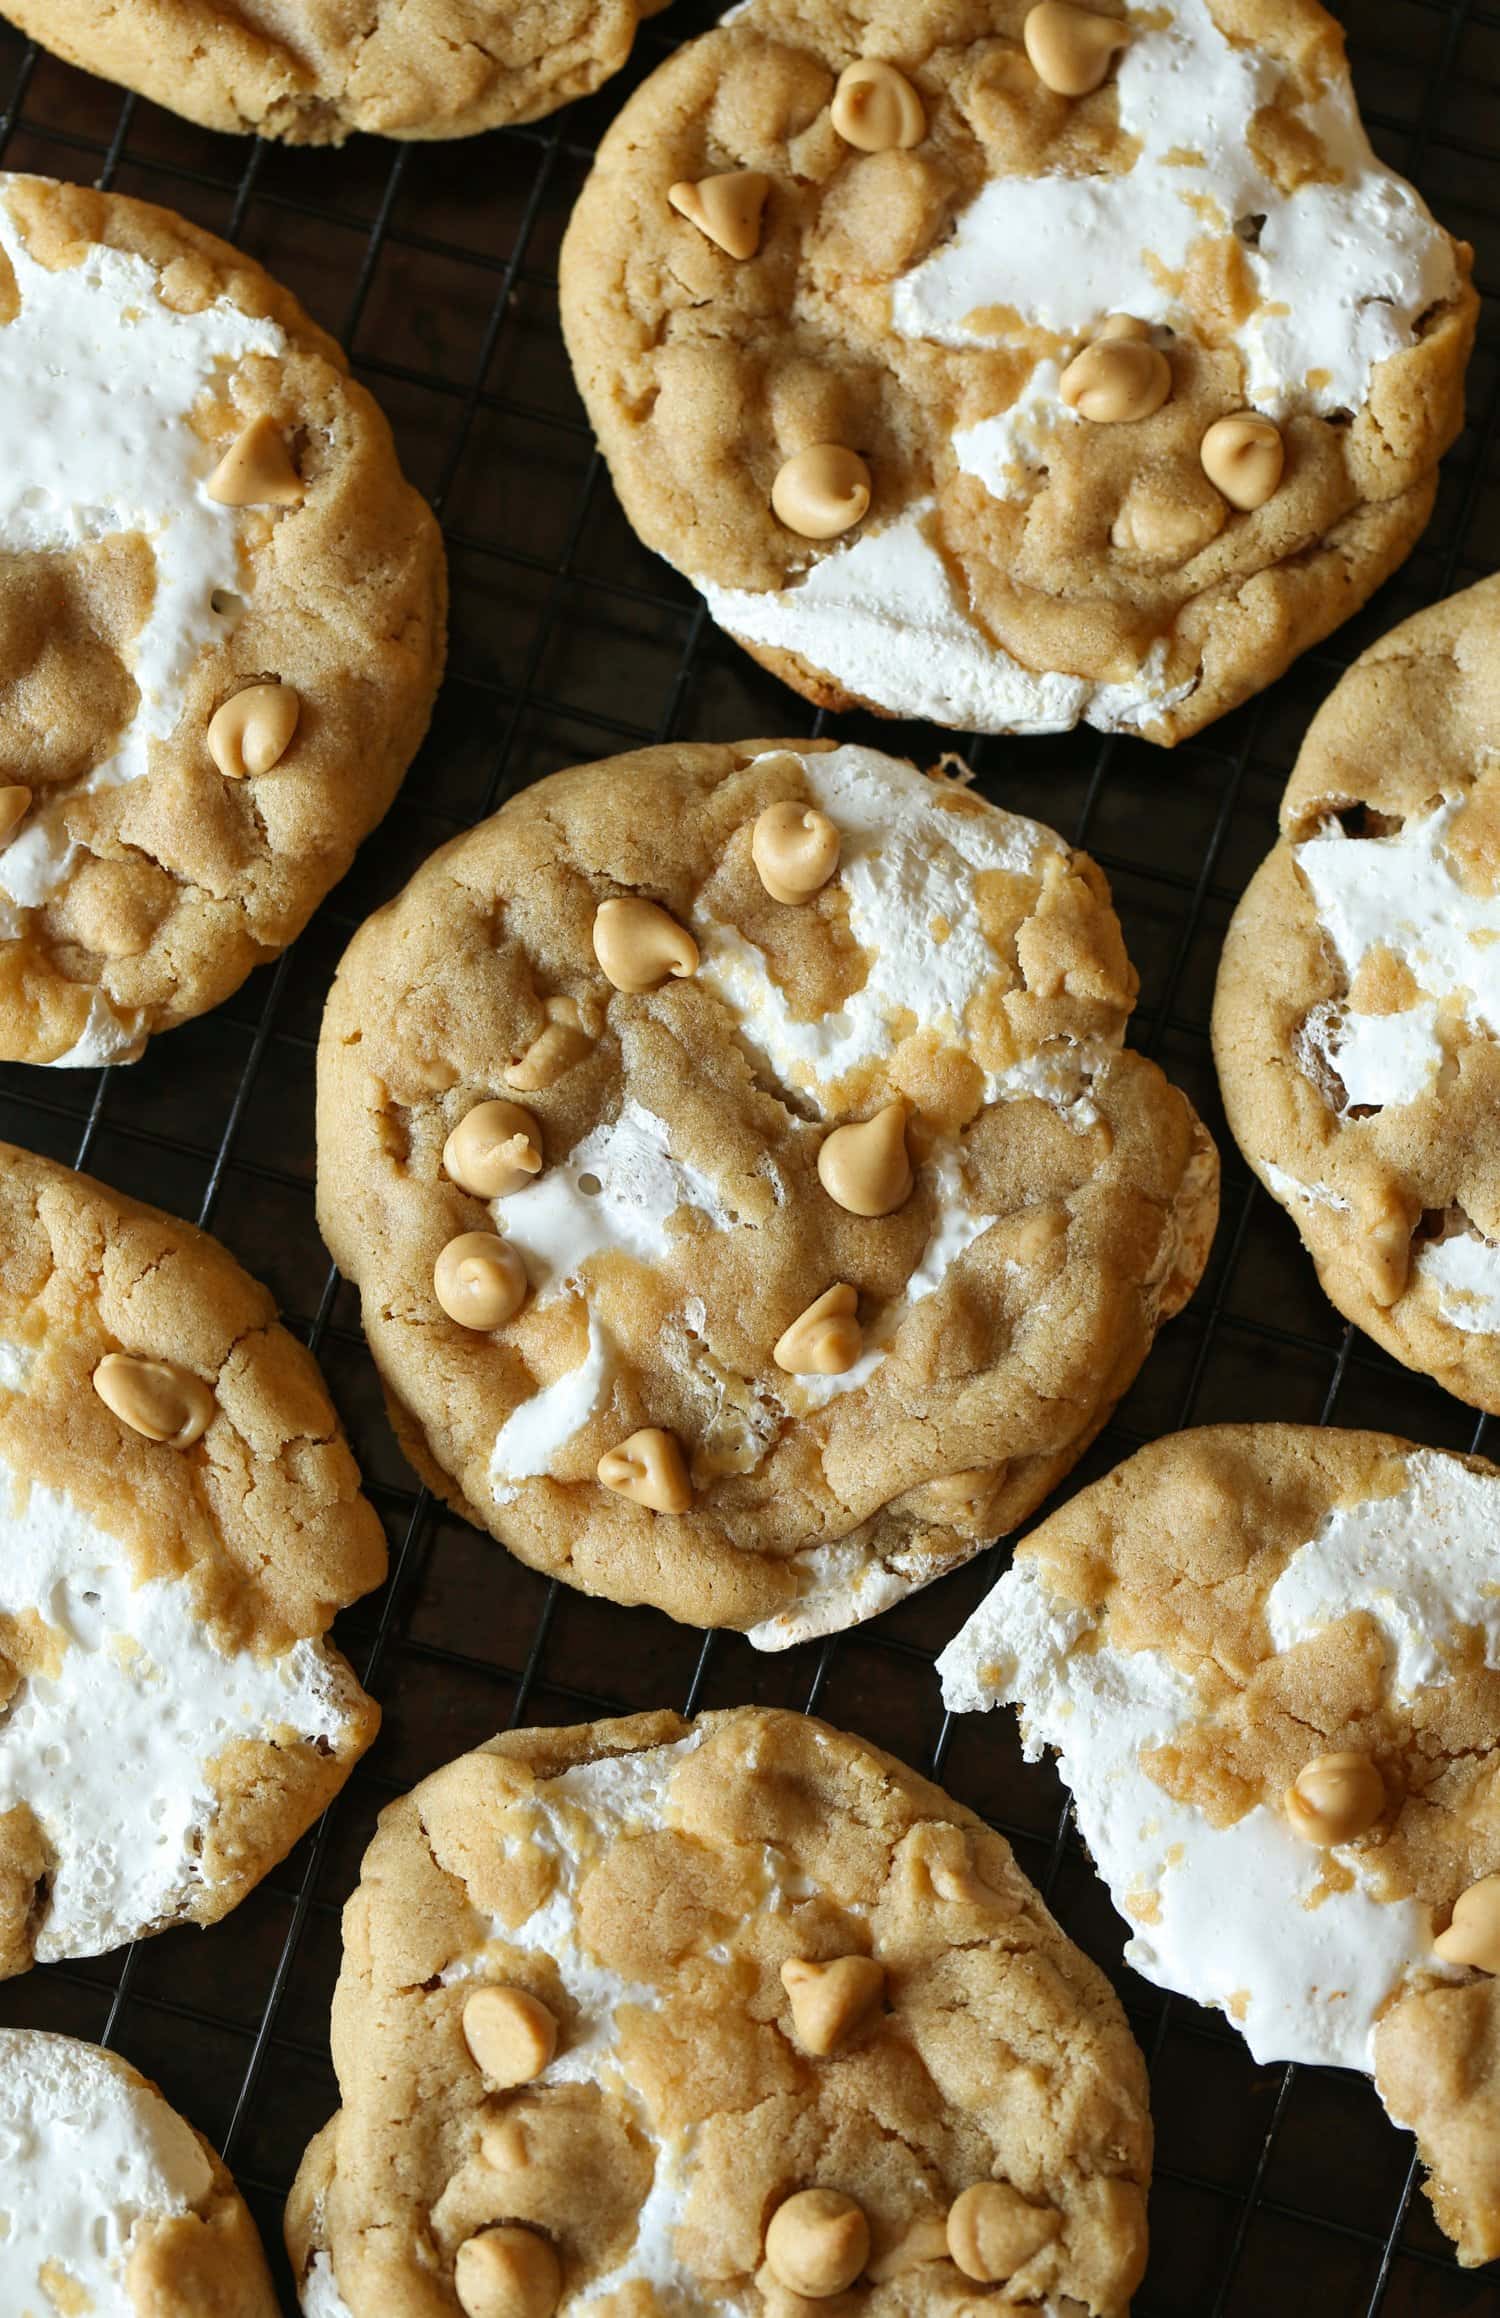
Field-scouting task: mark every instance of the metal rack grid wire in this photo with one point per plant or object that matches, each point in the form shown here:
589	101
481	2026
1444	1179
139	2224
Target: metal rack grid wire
1275	2187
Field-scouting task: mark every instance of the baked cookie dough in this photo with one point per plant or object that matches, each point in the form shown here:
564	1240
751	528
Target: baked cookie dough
1268	1657
1357	1018
708	2016
221	620
109	2203
966	396
753	1208
314	73
181	1519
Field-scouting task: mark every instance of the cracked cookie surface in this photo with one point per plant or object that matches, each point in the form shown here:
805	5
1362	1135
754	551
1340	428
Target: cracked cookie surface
1357	1017
914	283
221	621
112	2204
171	1717
1241	1629
314	73
907	1090
666	1893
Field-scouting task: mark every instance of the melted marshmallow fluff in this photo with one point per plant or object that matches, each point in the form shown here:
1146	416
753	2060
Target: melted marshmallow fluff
1400	893
1343	272
1228	1915
86	2159
111	1742
908	866
586	1808
98	380
883	618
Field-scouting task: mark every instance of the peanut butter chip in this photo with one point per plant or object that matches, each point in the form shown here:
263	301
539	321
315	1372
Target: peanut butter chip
875	107
1243	456
155	1397
826	1340
15	804
1473	1937
817	2243
639	946
795	849
511	2035
993	2231
822	491
650	1470
253	730
553	1050
1116	381
830	2000
1334	1799
866	1168
494	1150
479	1280
256	470
507	2273
1071	49
727	208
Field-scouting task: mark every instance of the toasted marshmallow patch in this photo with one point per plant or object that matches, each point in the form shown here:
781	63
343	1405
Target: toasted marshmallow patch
1238	1917
89	2155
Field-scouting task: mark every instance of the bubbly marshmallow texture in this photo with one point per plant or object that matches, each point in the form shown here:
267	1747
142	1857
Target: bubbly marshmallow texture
1344	272
113	1749
86	2157
618	1189
1231	1924
98	380
1401	893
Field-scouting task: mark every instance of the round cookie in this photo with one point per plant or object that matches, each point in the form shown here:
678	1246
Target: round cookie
221	621
181	1519
111	2204
1357	1018
1268	1657
311	76
759	1258
965	397
633	1988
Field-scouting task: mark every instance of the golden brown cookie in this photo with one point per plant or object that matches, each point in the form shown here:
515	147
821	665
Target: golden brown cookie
1268	1657
221	621
181	1520
794	2022
757	1257
314	73
1010	366
1357	1018
112	2204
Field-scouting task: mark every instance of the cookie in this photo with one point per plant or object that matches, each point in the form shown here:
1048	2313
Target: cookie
1268	1657
1358	1006
398	68
752	1206
713	2015
221	620
110	2203
1012	366
181	1518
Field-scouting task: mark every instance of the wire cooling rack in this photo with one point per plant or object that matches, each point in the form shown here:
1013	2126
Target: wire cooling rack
1277	2189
